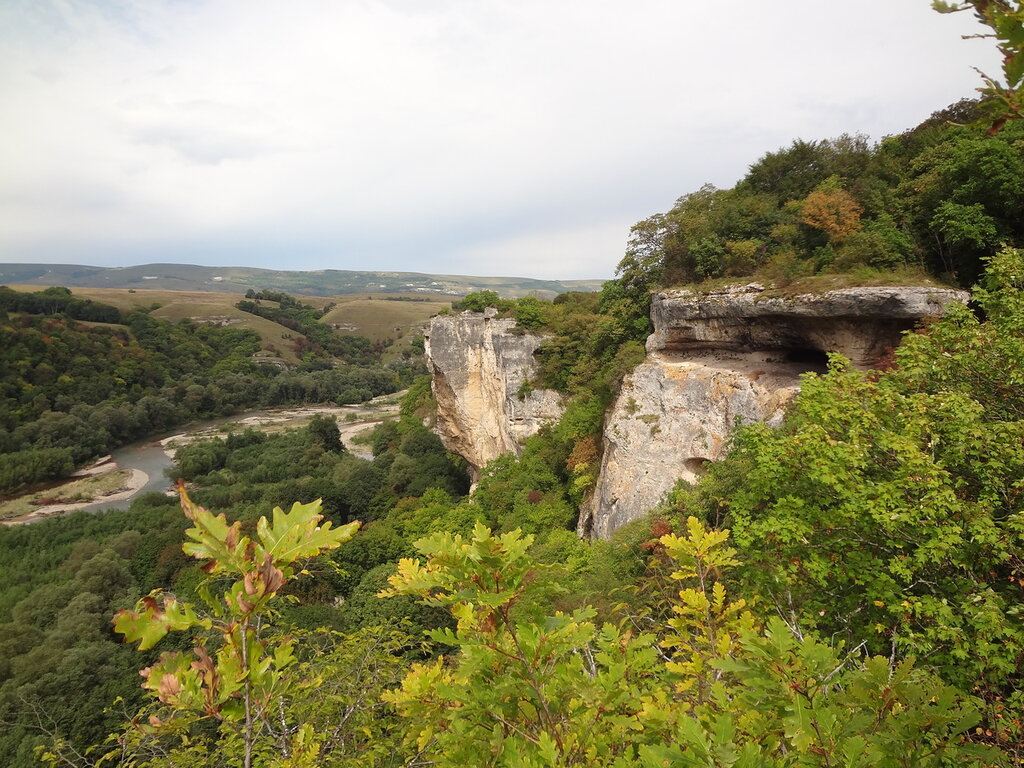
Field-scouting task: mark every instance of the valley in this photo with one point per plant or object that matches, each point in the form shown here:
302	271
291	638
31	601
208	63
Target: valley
113	481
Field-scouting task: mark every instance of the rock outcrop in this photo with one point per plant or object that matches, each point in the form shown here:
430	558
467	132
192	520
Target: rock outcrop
478	367
726	357
859	323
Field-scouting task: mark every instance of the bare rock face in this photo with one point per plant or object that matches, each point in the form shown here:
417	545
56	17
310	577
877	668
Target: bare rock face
672	417
859	323
478	366
727	357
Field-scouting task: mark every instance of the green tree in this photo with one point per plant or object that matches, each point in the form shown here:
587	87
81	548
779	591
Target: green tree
240	684
530	691
523	693
324	430
479	301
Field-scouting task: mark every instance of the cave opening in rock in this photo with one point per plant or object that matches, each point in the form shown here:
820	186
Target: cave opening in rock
696	466
808	358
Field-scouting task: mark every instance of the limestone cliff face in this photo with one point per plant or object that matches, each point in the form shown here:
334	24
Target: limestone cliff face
859	323
673	416
477	367
726	357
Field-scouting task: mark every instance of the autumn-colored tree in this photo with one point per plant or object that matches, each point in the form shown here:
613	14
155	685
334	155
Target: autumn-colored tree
833	210
241	684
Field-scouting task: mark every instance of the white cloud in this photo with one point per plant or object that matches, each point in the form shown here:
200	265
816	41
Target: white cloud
428	133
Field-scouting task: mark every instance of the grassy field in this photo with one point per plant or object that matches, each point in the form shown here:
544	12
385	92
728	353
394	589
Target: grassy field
379	319
127	298
370	315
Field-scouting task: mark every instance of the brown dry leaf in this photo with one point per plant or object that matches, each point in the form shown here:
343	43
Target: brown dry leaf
169	688
273	578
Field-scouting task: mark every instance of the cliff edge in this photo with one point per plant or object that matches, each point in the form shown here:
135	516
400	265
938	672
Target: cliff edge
478	366
728	357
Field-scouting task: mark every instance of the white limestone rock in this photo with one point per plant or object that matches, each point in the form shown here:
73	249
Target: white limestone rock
478	366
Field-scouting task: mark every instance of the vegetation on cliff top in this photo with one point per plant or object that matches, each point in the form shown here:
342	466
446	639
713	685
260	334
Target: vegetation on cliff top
936	200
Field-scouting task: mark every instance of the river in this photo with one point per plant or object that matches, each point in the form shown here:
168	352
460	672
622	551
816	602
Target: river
151	455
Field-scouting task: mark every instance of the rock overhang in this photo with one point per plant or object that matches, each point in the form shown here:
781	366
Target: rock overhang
860	323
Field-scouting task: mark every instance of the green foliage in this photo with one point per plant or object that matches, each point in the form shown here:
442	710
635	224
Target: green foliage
1005	19
709	256
324	429
239	686
878	511
965	224
479	301
799	703
976	359
24	468
61	666
85	390
886	511
581	354
561	692
529	313
53	301
748	695
707	625
418	401
941	196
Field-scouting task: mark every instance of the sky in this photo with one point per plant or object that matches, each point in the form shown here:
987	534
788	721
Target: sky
482	137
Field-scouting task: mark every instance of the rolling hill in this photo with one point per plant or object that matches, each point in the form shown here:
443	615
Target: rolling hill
376	316
327	282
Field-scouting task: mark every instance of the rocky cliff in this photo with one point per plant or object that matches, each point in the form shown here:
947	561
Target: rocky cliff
726	357
478	366
715	359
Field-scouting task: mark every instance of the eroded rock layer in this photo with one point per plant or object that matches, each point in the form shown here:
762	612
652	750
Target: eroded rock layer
478	367
861	324
726	357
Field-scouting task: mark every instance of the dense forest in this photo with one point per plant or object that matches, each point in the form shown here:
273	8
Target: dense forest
844	590
934	200
79	378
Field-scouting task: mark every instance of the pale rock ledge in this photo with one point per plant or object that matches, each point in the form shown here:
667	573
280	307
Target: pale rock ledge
728	357
478	366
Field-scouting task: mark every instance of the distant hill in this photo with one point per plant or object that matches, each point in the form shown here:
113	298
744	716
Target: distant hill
324	282
396	319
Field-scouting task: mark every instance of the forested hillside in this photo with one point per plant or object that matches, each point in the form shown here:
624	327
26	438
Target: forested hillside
840	591
79	378
934	200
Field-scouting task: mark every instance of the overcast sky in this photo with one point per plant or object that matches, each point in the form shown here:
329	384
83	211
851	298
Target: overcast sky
489	137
